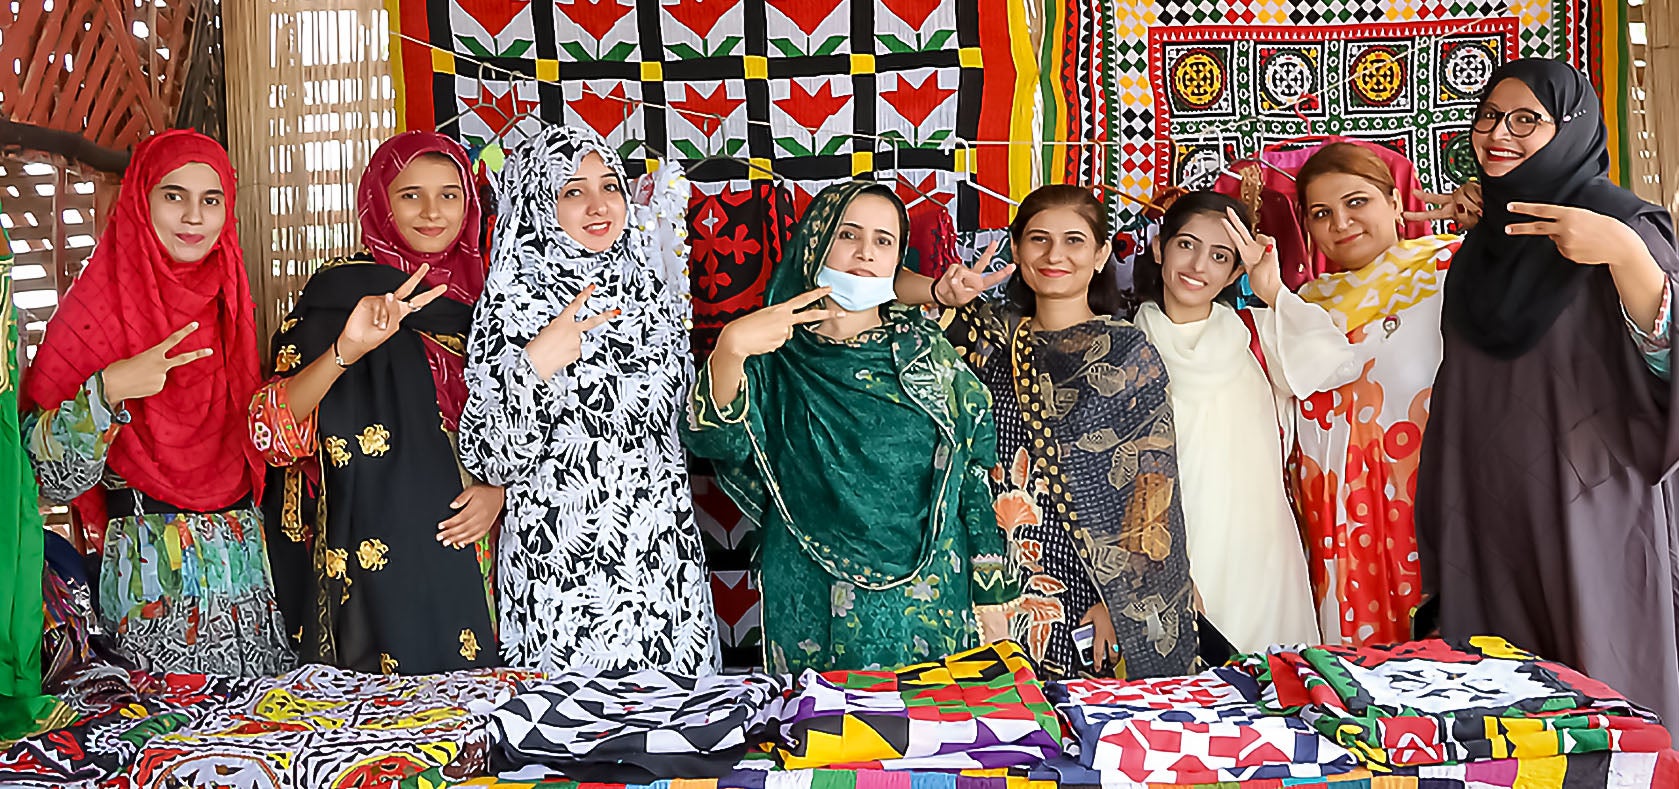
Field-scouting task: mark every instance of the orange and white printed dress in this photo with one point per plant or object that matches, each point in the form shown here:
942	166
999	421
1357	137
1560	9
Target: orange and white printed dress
1354	470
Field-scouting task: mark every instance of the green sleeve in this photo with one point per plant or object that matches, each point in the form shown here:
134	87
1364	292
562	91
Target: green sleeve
718	432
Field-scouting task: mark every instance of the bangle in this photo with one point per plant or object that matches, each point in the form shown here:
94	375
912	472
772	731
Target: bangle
934	292
337	358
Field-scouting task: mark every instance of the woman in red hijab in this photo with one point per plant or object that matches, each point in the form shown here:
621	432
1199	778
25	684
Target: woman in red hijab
135	409
381	542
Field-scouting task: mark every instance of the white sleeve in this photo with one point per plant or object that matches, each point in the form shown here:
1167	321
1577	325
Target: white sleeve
1305	351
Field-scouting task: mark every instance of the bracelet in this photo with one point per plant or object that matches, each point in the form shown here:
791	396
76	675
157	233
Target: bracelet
338	358
934	292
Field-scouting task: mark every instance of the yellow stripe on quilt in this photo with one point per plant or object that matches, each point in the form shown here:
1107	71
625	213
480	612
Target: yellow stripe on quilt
1547	773
1609	44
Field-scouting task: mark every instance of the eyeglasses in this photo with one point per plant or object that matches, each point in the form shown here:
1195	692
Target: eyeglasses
1521	123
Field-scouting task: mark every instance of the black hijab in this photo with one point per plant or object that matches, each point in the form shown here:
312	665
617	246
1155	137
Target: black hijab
1504	291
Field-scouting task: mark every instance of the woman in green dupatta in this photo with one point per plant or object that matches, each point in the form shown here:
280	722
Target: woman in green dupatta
857	438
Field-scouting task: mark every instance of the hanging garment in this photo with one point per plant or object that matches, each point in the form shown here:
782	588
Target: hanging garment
931	247
736	235
1269	187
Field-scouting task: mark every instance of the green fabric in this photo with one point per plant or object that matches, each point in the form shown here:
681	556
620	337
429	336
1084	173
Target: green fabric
864	461
23	708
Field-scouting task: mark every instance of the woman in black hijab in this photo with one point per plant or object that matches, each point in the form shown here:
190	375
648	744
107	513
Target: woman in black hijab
1545	505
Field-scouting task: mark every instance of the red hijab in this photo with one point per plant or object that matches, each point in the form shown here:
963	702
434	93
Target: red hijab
461	266
187	445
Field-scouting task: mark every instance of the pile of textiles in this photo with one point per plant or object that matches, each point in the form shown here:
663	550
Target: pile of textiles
119	713
636	726
983	708
1201	729
1584	771
313	728
1433	702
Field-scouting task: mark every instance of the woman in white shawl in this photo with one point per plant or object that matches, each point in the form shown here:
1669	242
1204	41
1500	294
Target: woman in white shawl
577	370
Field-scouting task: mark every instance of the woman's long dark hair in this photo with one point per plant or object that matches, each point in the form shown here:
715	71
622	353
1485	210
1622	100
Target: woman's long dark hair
1149	282
1104	295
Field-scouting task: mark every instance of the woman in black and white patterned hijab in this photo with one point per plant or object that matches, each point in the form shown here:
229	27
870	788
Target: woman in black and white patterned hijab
577	369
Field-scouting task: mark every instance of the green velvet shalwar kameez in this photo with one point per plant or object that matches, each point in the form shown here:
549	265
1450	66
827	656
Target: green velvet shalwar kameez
864	461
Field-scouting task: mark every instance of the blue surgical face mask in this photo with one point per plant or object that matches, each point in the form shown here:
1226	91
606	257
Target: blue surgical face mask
855	293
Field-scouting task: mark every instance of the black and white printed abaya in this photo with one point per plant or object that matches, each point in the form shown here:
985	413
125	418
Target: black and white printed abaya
599	563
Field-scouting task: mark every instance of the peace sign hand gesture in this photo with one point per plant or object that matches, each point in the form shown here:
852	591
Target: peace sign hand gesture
375	319
561	342
1462	206
768	329
144	374
1259	258
1583	236
962	283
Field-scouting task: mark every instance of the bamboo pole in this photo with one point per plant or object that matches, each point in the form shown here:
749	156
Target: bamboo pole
1661	100
297	185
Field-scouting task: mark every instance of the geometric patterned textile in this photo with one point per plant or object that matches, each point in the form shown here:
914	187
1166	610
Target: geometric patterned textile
1223	93
320	727
643	725
813	90
731	540
983	708
120	713
1584	771
1434	702
1204	728
1128	81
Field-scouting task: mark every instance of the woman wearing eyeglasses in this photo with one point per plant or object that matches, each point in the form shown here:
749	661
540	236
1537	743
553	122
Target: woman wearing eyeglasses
1545	505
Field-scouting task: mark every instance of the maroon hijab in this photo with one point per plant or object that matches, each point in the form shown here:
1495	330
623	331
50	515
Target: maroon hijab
460	267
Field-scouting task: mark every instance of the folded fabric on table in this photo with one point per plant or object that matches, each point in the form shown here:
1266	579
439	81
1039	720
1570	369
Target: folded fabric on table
983	708
1205	728
636	726
120	711
1581	771
1433	702
319	727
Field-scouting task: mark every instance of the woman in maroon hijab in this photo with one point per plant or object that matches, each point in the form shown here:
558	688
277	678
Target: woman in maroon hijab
381	542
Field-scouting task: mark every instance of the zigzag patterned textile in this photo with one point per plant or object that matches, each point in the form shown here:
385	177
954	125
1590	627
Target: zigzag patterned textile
983	708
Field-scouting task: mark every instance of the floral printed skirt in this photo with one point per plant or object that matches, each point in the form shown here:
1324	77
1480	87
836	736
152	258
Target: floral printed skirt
192	593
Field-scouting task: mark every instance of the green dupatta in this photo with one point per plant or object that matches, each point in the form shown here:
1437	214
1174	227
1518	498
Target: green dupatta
23	708
807	409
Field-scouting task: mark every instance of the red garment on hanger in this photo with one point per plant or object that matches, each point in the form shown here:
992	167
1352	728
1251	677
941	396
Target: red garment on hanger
1279	212
932	239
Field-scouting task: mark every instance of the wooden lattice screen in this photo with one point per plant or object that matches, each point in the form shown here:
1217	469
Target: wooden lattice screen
309	99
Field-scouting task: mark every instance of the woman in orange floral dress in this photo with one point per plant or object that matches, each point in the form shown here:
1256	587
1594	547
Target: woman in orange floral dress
1354	475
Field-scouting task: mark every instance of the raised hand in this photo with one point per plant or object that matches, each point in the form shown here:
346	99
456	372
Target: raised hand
561	342
1259	258
1462	206
770	328
961	284
145	374
1583	236
376	319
